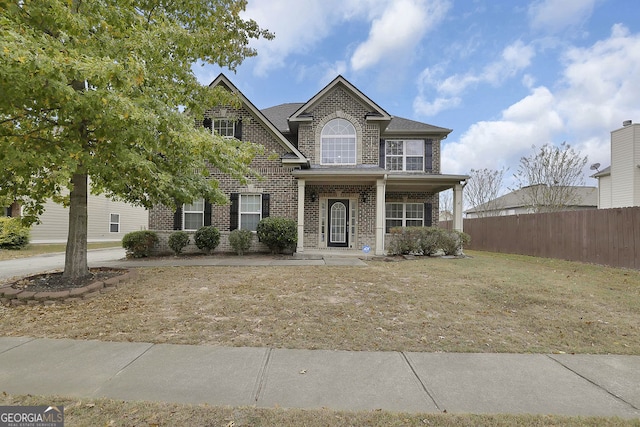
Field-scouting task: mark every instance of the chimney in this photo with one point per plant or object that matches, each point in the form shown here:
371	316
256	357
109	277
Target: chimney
626	123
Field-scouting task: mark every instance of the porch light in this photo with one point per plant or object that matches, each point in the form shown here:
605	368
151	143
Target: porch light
363	198
314	196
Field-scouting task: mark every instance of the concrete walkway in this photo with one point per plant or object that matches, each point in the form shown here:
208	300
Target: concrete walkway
341	380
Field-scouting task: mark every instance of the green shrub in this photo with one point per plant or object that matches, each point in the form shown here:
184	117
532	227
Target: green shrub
279	234
207	238
178	240
426	241
240	241
454	241
13	235
404	240
431	240
139	243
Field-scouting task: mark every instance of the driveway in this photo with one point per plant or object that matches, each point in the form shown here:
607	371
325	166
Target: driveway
53	262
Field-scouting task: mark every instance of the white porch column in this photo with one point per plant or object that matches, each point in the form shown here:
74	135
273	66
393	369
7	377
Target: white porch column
300	245
380	215
457	207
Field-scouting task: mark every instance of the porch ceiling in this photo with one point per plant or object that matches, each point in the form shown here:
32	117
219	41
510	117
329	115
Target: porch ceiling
395	181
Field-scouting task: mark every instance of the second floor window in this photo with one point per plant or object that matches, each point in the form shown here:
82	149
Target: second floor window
404	155
224	127
338	143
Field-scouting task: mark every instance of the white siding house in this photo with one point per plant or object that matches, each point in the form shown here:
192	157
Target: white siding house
619	184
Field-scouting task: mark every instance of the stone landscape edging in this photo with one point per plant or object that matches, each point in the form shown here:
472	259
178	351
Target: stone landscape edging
13	296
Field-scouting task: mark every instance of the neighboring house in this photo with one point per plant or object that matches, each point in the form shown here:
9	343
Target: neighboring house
619	184
513	203
345	170
108	220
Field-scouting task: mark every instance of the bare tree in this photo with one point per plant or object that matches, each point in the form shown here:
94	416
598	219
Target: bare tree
549	177
446	205
482	191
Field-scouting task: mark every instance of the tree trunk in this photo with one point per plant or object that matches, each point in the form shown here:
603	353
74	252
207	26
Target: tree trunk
75	263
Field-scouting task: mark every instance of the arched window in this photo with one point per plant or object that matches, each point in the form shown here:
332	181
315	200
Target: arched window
338	143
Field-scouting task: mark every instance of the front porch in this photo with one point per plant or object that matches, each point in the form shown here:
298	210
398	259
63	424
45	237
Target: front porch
343	211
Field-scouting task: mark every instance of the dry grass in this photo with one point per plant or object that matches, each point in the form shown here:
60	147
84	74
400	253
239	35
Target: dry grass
114	413
487	303
40	249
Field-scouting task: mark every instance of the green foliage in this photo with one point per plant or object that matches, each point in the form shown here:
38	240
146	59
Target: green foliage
178	240
13	234
279	234
139	243
426	241
240	240
207	238
101	89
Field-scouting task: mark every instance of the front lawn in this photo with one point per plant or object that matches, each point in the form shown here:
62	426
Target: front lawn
486	303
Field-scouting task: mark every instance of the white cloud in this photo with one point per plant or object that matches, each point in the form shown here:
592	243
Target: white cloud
400	27
514	58
600	88
556	15
494	144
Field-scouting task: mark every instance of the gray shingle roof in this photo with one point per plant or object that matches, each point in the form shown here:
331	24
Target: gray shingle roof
586	197
279	114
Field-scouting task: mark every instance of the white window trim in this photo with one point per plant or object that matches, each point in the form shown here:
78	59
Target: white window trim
240	212
404	215
185	212
355	143
404	155
112	223
224	119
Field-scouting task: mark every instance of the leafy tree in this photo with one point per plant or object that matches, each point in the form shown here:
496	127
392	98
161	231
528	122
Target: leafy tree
105	89
482	191
549	177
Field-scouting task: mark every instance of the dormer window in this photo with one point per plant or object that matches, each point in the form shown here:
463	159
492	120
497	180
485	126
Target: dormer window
338	143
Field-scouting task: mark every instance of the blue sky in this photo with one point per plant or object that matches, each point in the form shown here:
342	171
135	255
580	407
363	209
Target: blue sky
505	75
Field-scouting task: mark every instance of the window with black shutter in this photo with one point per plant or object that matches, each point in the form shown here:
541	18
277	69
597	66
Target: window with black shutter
382	154
233	212
428	155
207	213
177	218
428	215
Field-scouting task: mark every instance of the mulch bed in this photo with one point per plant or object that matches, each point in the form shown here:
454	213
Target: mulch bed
53	282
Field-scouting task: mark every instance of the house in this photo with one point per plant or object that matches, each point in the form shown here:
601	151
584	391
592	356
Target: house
514	203
346	171
619	184
107	221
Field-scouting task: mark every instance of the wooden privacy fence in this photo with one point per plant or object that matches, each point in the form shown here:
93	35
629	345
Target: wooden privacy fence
600	236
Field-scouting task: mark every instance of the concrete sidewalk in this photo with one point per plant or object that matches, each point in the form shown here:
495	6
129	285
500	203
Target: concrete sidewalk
342	380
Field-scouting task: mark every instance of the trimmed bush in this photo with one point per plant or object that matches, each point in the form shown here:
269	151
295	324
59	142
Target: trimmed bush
139	243
177	241
454	241
240	241
207	238
405	240
426	241
13	235
279	234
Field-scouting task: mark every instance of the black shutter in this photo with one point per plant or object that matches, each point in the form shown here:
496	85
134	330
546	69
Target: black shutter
265	205
233	212
382	154
237	130
207	213
428	215
208	123
428	155
177	218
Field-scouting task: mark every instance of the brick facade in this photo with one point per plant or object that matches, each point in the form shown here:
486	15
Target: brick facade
282	187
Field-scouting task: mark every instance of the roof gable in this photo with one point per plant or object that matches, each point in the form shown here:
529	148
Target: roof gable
375	111
293	155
